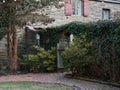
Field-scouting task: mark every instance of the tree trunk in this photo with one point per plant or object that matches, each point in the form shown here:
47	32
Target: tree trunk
12	50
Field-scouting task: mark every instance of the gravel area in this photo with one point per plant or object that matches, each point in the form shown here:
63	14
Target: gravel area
58	78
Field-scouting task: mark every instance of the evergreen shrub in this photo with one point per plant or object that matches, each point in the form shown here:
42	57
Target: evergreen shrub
42	61
103	54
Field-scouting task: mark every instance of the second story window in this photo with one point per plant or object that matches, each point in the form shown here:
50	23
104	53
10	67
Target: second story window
106	14
77	7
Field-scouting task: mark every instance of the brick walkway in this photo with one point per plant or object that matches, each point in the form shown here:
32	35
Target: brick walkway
58	78
30	77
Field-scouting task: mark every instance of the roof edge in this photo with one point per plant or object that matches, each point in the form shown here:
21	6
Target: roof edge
108	1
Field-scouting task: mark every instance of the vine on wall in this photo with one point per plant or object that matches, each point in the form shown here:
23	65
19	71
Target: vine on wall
103	35
94	30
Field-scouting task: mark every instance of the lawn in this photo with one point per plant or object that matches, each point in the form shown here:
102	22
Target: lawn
32	86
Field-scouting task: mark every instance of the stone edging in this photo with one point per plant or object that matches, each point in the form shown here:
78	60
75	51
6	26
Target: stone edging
96	81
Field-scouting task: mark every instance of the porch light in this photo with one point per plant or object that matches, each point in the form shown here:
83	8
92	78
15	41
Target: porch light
4	1
38	39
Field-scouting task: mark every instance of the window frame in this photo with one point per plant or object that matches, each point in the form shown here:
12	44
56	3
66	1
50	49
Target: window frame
103	13
76	8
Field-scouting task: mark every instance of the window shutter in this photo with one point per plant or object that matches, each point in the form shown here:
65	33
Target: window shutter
86	12
68	8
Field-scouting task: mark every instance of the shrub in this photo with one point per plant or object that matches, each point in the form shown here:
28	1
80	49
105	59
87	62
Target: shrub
43	60
103	54
117	39
78	56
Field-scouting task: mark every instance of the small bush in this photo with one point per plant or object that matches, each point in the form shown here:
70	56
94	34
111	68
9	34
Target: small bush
117	39
43	60
78	57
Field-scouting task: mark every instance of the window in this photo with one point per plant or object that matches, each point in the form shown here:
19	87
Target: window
106	14
77	7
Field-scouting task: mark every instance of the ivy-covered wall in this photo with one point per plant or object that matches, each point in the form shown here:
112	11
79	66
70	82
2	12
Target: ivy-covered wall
104	51
102	34
94	29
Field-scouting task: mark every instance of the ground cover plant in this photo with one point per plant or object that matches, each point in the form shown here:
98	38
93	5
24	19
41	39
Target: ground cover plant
32	86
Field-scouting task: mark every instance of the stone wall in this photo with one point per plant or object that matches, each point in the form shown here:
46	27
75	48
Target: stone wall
95	13
95	9
3	49
3	44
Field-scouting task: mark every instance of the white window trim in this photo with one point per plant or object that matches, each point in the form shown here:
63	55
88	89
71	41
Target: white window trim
81	9
106	9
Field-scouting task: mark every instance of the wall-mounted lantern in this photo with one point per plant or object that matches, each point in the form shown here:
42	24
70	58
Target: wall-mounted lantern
38	39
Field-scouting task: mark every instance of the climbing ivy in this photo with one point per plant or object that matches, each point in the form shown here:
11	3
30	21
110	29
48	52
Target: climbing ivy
95	30
117	39
103	35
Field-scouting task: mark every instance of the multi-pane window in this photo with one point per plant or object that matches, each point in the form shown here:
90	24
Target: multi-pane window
106	14
77	7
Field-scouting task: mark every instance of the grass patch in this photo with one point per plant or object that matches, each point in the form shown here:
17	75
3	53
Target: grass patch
32	86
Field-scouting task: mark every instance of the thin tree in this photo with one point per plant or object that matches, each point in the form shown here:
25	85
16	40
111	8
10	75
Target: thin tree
10	5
